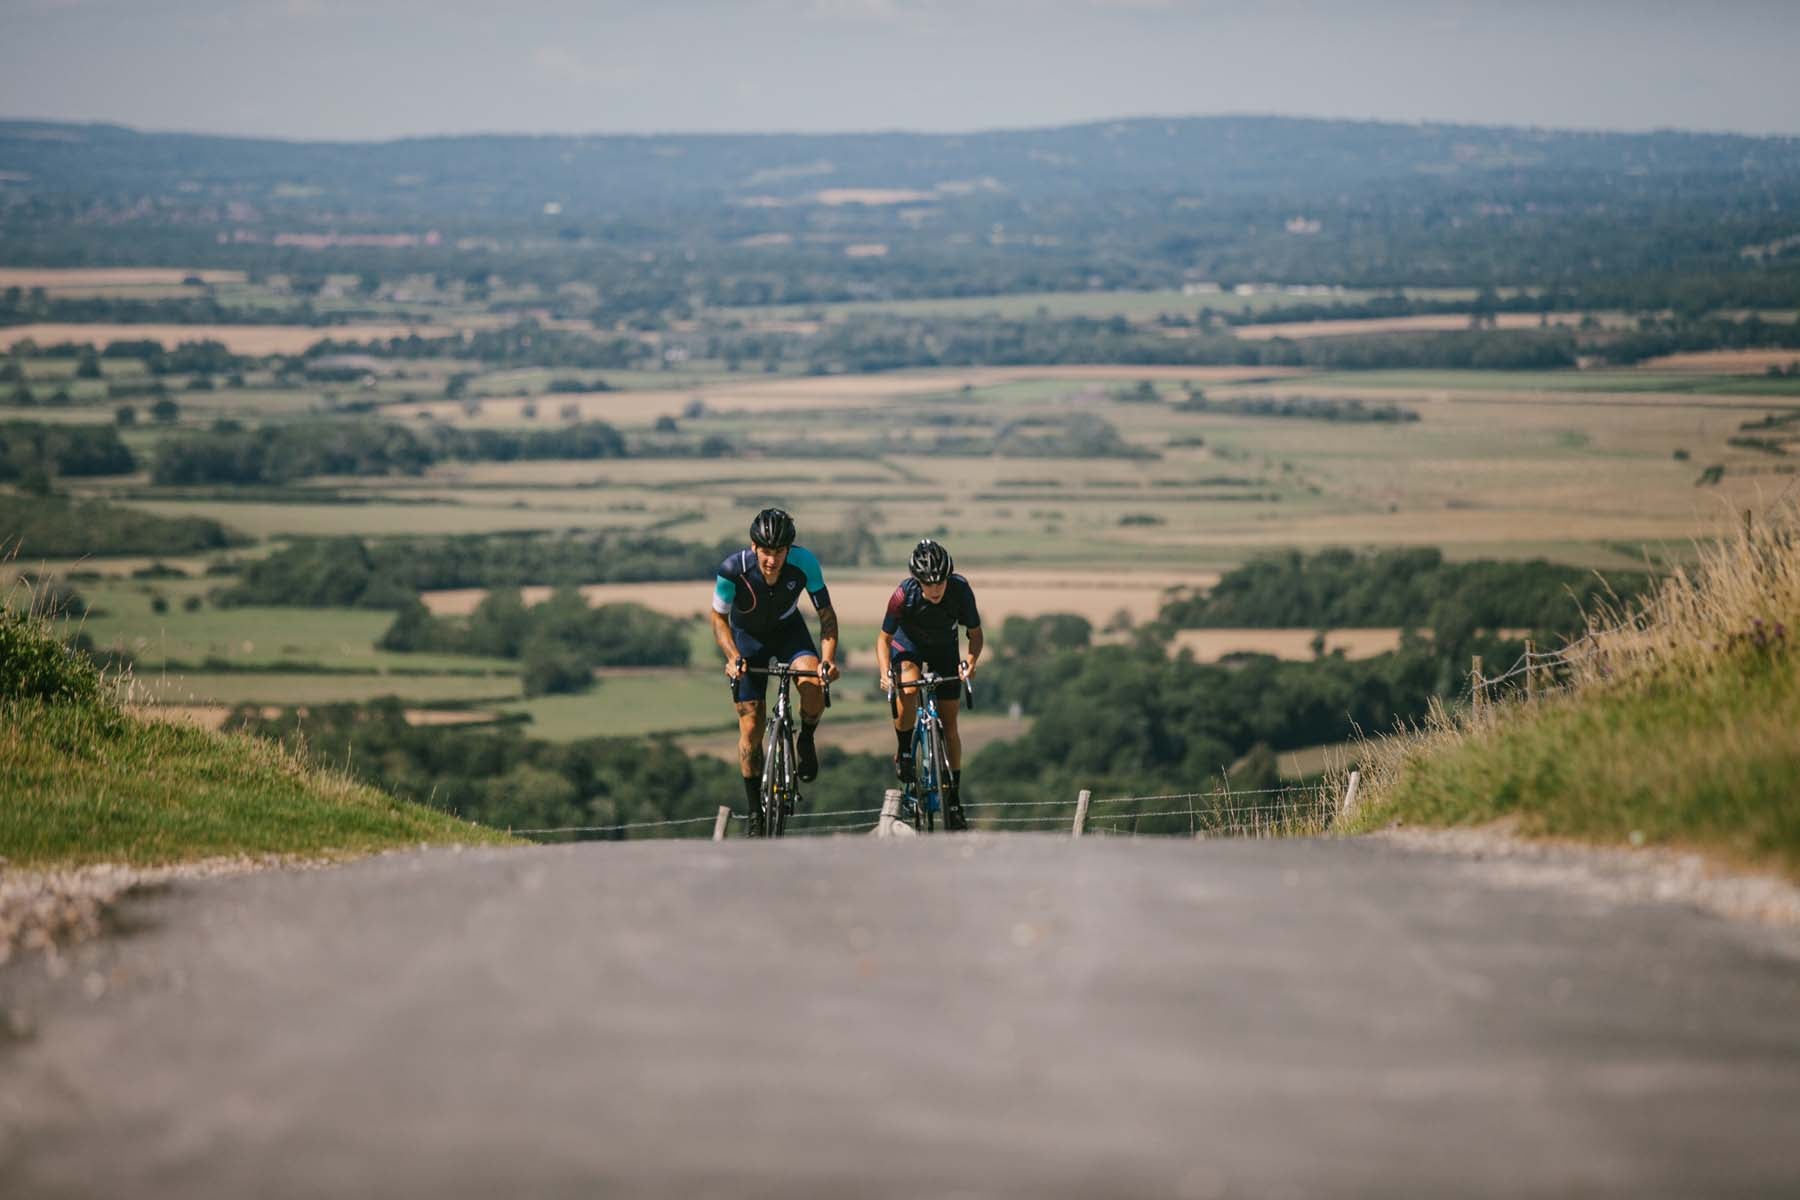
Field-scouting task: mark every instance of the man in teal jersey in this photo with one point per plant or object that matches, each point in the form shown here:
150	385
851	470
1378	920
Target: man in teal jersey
756	616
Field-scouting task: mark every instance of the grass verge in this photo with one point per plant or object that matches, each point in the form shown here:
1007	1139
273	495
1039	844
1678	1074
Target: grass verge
84	781
1679	725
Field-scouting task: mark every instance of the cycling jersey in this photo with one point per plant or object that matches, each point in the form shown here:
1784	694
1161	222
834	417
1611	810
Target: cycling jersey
915	623
759	607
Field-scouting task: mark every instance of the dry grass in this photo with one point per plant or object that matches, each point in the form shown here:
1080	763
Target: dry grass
53	279
1676	721
1724	362
1210	645
214	716
239	339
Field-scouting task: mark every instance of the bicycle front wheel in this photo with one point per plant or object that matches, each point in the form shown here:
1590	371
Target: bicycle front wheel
778	782
927	751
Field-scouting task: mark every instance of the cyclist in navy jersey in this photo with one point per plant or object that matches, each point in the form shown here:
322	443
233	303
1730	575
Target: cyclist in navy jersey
756	616
920	630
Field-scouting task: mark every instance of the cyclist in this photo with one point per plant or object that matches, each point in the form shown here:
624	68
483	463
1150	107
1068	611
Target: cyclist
756	615
920	630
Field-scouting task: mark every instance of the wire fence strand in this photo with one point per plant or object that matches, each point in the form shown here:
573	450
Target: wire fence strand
1299	804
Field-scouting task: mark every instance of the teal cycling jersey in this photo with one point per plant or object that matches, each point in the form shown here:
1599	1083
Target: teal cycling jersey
755	605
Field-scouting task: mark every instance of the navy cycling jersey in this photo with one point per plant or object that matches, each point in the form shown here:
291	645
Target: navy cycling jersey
758	607
915	623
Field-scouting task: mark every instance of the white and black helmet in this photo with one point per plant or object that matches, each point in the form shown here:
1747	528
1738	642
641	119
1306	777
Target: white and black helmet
930	562
772	529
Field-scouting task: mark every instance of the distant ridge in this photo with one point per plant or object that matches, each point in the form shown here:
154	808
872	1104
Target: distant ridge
1224	154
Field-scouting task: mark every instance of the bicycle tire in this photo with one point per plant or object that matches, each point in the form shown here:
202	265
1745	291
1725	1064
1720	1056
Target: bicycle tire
783	790
945	775
768	795
930	785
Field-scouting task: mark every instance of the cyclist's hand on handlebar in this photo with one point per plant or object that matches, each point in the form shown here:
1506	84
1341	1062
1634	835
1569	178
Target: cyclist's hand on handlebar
828	671
733	668
966	669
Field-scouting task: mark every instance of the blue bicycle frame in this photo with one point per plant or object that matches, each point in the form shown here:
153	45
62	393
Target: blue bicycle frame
924	792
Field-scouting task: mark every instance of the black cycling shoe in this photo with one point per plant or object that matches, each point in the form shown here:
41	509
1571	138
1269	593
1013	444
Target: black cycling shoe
809	758
903	767
954	821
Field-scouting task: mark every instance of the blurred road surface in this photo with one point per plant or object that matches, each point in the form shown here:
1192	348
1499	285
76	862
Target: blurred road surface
987	1016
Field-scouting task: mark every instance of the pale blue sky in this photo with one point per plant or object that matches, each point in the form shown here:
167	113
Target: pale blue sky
365	69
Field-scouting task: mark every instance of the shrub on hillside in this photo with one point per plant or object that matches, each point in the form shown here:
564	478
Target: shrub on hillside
36	666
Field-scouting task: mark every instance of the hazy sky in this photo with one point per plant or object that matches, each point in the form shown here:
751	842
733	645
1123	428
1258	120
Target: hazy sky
362	69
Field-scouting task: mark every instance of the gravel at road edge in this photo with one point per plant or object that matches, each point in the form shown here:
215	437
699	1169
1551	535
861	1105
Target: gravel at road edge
1622	875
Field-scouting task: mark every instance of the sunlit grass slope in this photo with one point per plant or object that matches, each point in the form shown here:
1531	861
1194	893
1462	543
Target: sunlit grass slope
83	780
1680	725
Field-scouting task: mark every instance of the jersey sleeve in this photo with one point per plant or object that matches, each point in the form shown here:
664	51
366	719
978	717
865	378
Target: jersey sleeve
890	624
971	616
808	562
724	593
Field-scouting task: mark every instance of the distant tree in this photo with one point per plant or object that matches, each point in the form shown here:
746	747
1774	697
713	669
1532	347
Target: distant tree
125	415
165	411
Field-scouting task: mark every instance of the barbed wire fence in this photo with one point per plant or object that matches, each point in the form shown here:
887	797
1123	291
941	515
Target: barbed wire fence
1533	675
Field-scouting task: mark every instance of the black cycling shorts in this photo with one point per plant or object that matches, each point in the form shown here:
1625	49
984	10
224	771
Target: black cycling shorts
790	640
943	660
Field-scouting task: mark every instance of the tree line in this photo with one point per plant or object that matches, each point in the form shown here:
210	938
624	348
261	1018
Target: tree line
277	454
1405	588
559	643
349	572
58	527
33	454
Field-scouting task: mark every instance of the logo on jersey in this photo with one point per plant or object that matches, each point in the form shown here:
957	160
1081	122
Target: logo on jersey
792	585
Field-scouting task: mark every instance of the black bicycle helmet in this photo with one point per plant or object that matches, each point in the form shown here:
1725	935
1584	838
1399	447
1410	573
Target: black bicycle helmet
772	529
930	562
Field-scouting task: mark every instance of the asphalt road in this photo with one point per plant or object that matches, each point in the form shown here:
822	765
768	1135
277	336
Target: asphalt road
1022	1016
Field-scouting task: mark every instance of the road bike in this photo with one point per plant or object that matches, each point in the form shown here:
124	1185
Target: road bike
922	795
780	792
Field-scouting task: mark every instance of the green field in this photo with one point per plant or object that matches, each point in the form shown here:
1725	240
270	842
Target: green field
1621	379
1131	305
248	637
630	704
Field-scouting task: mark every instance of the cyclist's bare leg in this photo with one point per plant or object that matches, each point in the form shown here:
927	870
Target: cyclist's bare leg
947	710
812	693
750	738
909	697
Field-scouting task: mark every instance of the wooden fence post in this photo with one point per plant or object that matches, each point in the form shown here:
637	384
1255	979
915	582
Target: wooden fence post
1350	793
1530	672
1081	806
1476	686
720	822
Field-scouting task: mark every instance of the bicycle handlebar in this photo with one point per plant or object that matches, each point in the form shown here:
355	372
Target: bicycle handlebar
927	679
782	670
